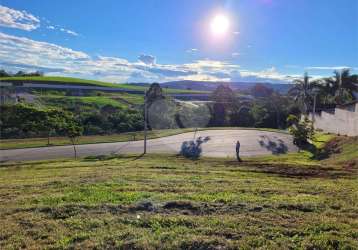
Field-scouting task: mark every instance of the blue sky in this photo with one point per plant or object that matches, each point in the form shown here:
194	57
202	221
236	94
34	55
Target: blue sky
146	41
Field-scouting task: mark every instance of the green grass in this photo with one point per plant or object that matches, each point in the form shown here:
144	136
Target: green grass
347	152
167	202
98	101
320	139
130	98
129	136
114	99
85	82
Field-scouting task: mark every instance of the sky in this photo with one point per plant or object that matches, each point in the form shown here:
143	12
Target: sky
159	41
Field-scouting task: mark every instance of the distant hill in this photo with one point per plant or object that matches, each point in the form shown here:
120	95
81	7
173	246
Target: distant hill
185	86
65	81
210	86
57	80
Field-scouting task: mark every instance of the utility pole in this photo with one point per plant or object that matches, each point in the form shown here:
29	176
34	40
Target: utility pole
314	109
145	122
340	85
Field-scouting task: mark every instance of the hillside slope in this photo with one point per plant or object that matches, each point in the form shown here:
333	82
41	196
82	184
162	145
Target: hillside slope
84	82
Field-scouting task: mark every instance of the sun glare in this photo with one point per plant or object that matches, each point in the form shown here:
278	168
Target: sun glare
220	25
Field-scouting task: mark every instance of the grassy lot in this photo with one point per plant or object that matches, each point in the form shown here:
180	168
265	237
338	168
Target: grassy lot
116	100
166	202
54	100
85	82
130	136
130	98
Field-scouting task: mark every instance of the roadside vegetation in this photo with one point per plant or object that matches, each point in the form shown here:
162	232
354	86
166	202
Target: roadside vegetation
105	115
163	202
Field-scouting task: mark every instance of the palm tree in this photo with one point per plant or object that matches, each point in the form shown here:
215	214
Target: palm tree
342	86
302	92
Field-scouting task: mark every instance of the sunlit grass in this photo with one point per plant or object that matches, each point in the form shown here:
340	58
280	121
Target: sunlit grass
208	203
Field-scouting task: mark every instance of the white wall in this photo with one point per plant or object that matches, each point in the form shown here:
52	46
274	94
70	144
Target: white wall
342	121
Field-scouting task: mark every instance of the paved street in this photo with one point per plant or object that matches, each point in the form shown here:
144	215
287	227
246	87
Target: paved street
221	144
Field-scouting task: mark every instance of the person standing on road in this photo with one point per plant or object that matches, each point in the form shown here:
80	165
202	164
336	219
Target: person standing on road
238	151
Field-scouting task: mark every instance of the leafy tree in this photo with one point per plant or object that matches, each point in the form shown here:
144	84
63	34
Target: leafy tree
20	73
342	85
154	93
241	115
261	90
55	121
73	131
36	73
21	120
302	131
224	103
261	116
108	110
3	73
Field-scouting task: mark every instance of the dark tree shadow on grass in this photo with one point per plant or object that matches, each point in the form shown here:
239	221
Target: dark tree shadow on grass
276	147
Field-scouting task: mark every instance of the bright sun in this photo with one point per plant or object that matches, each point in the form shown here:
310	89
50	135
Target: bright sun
220	25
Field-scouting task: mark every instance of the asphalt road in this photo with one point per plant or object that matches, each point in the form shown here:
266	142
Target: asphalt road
221	144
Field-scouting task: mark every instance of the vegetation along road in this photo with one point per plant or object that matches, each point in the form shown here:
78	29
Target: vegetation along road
221	144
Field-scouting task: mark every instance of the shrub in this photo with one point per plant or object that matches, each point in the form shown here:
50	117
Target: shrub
301	130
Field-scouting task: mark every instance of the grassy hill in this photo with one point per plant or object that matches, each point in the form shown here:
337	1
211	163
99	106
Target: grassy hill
85	82
167	202
115	100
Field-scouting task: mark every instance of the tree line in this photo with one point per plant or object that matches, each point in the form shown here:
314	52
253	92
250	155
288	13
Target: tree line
226	108
338	89
4	73
260	107
26	120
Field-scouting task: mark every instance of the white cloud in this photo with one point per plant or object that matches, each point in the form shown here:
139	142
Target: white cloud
193	50
18	19
235	54
267	75
20	53
70	32
12	18
327	68
147	59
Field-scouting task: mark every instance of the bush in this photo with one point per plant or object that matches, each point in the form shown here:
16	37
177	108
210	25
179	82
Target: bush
192	149
302	131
